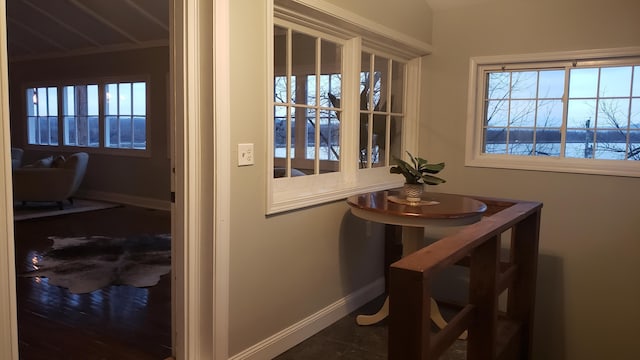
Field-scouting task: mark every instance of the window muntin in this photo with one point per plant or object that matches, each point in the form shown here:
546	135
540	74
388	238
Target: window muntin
307	128
525	112
42	115
120	122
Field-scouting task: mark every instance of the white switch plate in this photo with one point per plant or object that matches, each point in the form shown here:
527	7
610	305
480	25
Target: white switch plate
245	154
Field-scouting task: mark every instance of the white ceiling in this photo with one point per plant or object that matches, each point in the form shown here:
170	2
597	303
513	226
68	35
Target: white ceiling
40	28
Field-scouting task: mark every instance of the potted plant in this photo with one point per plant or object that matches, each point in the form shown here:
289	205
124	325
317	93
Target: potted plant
416	174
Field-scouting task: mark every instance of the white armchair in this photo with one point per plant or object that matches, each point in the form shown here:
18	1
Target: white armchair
50	184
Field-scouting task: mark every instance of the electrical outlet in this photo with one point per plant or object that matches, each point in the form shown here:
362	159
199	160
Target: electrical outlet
245	154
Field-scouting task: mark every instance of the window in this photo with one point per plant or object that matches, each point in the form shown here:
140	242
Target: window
381	110
42	116
558	114
343	104
119	122
307	86
80	113
125	115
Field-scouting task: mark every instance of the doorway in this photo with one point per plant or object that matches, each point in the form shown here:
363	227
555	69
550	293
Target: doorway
196	334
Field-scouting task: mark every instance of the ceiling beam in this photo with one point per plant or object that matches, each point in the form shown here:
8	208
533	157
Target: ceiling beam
36	33
149	16
61	23
105	21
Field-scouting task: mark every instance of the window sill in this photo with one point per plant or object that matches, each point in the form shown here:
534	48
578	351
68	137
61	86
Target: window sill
630	168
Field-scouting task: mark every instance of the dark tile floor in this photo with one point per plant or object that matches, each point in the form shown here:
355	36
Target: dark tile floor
349	341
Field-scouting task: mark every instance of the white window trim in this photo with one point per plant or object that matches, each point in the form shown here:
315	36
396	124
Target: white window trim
289	193
473	152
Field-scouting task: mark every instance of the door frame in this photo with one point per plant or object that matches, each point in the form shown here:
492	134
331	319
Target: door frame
201	107
201	81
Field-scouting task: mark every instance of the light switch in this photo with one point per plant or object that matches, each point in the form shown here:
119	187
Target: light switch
245	154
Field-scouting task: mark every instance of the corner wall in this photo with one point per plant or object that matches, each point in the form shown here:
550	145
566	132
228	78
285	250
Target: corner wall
586	305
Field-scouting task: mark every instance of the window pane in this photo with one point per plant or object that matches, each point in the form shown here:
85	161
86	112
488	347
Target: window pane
139	132
615	81
280	131
126	133
395	140
378	142
634	145
139	99
329	136
497	113
521	142
579	143
522	112
124	98
365	81
331	80
551	84
583	83
111	125
303	57
524	84
364	136
548	142
53	130
636	81
613	113
381	84
635	114
111	99
52	101
498	85
611	145
310	134
549	113
580	113
397	87
280	89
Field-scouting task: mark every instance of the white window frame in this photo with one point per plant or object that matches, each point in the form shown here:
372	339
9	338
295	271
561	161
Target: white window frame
101	148
289	193
474	157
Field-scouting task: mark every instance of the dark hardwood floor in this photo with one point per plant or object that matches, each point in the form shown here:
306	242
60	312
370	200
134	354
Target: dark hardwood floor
116	322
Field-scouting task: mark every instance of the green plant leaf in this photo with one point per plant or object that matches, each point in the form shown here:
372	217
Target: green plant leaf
418	171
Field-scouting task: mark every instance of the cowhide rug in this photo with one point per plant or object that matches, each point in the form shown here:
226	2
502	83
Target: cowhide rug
85	264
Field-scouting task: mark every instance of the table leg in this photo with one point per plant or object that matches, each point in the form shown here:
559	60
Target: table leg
412	240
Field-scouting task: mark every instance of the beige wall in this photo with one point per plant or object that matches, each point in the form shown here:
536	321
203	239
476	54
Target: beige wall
412	17
146	177
588	292
286	267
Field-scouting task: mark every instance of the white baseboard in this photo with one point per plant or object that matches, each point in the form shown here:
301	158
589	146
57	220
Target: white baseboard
125	199
300	331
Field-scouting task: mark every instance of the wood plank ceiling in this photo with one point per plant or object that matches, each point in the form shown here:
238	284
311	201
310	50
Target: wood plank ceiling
46	28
